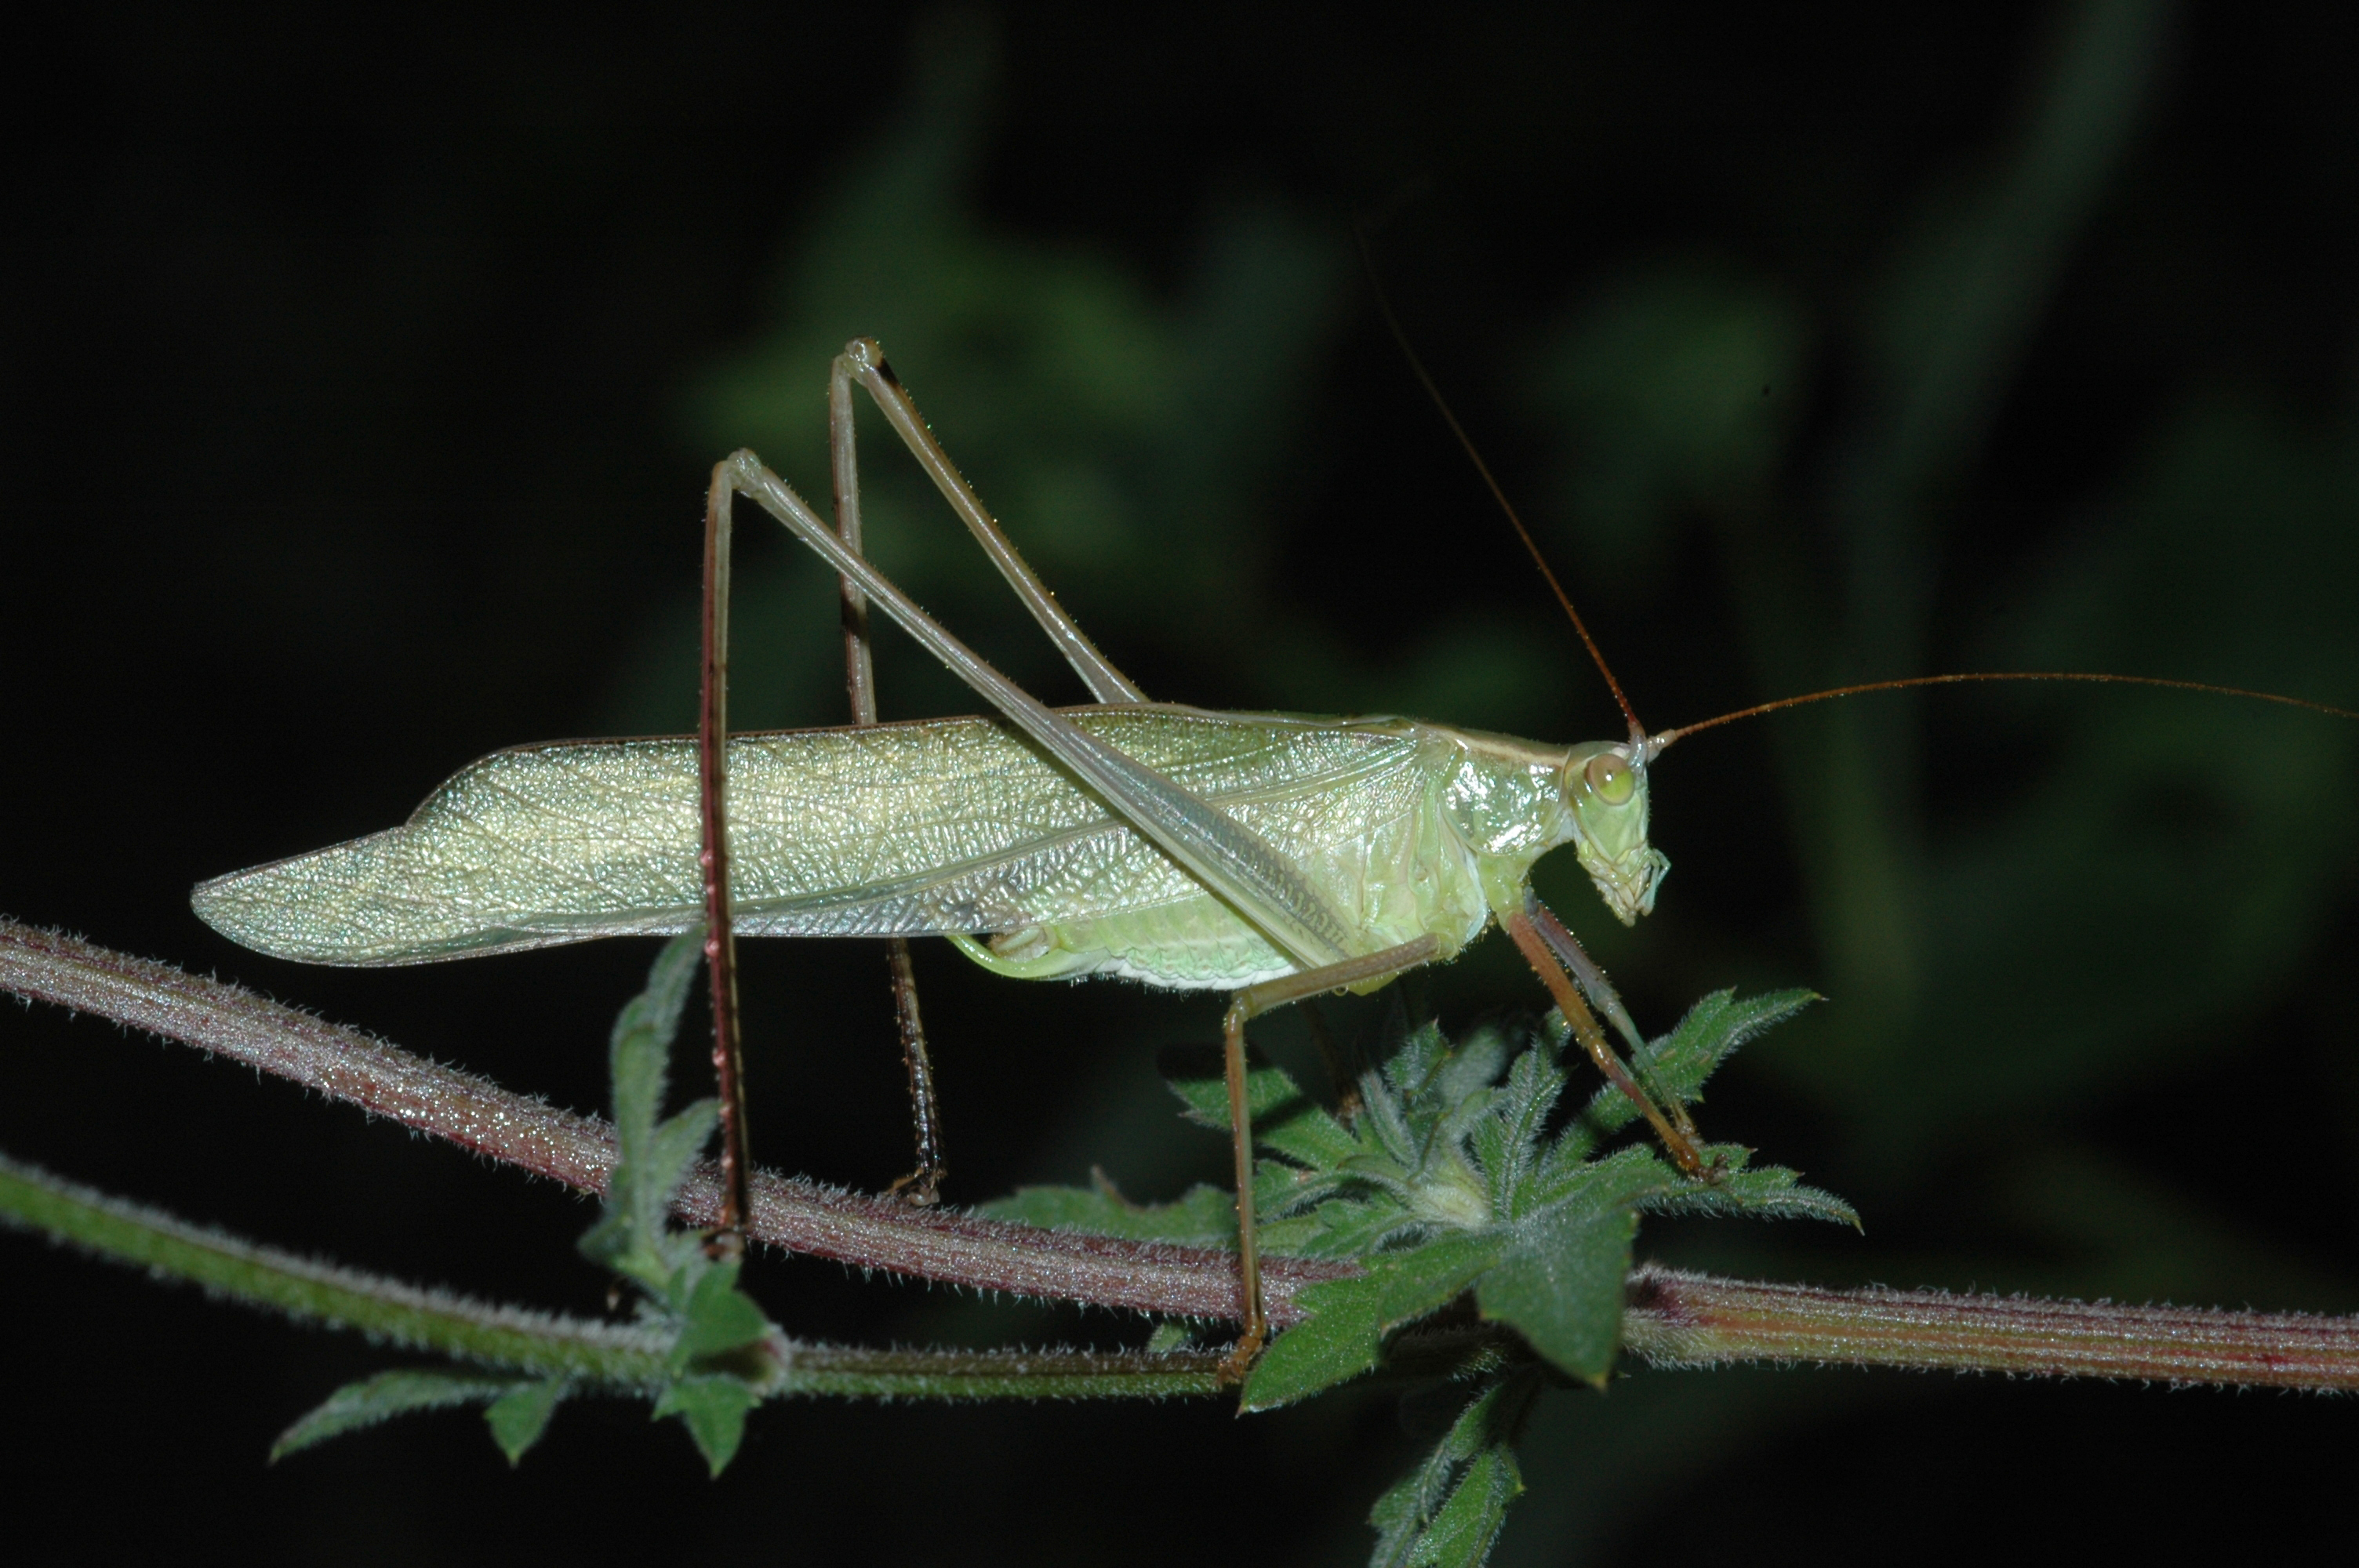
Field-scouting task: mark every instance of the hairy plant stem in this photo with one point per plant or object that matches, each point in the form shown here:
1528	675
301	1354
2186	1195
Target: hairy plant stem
579	1150
1673	1319
629	1358
1679	1319
305	1288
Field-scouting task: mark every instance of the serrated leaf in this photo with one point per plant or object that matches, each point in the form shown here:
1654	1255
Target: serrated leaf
1449	1181
640	1047
1451	1129
1344	1228
1507	1146
1198	1076
1463	1533
1676	1066
1468	1069
1436	1515
674	1148
632	1237
1773	1192
1412	1065
1626	1177
719	1317
612	1242
1382	1127
1351	1317
1285	1119
519	1417
712	1406
1561	1286
1304	1133
1202	1217
389	1394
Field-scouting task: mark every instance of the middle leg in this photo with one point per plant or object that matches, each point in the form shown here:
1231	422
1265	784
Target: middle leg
1246	1004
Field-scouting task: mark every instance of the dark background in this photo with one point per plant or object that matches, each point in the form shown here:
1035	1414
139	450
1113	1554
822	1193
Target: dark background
362	374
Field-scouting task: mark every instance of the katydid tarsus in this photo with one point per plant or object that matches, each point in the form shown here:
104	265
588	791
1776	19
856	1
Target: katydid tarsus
1273	857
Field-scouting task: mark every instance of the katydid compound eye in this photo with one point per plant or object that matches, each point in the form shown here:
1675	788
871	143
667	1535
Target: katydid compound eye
1610	778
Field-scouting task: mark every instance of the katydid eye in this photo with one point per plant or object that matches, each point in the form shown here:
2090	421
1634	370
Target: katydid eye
1610	778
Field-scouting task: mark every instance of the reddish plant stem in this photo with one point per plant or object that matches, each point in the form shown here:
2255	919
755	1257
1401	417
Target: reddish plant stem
1677	1319
1674	1319
579	1150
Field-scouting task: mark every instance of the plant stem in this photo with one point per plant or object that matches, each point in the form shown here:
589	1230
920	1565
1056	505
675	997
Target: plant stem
622	1357
1677	1319
1674	1319
303	1288
579	1150
1002	1374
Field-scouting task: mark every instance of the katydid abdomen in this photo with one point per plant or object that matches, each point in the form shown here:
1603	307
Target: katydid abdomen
946	827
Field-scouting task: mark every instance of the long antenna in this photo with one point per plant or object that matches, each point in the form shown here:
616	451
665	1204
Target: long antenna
1409	351
1664	740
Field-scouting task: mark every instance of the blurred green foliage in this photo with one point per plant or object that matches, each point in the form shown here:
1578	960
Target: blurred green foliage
1674	390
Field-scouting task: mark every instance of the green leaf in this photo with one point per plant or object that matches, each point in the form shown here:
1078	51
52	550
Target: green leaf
1304	1133
1772	1192
611	1243
712	1406
1202	1217
1561	1287
719	1317
1507	1146
1351	1317
695	1295
1460	1166
1382	1128
1450	1181
1285	1119
1439	1514
676	1144
1469	1524
1465	1074
640	1047
519	1417
1344	1228
389	1394
1412	1065
633	1238
1676	1065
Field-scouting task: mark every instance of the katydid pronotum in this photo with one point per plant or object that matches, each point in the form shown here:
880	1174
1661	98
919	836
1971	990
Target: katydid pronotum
1272	856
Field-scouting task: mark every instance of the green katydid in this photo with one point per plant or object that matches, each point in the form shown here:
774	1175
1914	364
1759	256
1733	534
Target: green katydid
1274	857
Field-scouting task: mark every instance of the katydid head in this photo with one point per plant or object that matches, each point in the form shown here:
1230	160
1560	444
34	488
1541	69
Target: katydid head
1604	787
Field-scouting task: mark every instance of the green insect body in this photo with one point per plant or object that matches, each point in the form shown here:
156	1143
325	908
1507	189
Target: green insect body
962	828
1266	854
1270	856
